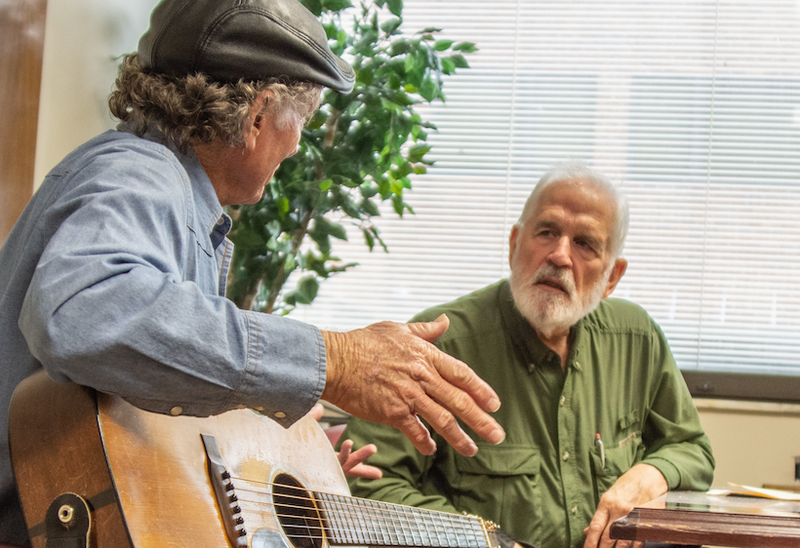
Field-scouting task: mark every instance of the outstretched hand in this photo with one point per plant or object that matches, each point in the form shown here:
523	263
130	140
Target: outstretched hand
390	373
640	484
352	462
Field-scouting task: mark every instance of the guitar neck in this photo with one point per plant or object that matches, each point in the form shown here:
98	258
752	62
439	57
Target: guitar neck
351	520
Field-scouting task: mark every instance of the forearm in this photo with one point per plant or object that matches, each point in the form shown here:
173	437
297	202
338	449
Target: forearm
162	344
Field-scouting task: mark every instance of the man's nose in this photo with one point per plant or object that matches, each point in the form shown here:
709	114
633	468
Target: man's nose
561	254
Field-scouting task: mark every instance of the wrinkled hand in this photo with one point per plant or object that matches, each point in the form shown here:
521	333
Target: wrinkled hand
352	462
640	484
390	373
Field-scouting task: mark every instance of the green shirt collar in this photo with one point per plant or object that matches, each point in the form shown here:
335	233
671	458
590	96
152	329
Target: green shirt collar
527	343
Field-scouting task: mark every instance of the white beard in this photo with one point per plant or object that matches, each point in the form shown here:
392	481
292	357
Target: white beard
548	312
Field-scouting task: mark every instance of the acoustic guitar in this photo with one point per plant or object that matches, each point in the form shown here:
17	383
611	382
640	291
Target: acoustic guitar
93	470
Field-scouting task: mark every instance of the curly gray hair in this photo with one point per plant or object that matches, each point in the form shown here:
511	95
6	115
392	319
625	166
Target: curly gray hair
194	109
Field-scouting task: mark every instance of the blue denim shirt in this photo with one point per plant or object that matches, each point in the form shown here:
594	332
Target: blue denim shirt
114	277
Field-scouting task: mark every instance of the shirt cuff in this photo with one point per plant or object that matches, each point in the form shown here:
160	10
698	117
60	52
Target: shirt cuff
667	469
286	367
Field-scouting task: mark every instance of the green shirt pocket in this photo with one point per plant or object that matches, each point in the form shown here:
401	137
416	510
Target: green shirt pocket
618	460
501	460
483	484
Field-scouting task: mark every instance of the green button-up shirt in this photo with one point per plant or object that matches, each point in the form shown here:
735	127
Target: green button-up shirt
543	483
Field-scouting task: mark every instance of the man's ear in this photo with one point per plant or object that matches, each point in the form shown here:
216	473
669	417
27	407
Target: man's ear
256	119
617	271
512	243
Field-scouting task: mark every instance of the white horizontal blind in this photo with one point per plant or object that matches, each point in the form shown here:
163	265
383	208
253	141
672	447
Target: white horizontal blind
692	105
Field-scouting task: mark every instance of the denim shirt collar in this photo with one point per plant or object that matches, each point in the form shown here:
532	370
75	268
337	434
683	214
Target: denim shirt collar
209	218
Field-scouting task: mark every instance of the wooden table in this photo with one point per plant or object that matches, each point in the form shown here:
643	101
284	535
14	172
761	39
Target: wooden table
684	517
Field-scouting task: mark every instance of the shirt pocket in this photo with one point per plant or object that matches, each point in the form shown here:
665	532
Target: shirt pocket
606	469
498	481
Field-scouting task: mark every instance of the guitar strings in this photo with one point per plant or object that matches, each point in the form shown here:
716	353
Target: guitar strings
381	514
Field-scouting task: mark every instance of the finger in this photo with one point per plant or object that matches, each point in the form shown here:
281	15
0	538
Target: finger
460	376
430	331
317	411
455	371
417	434
595	528
447	401
364	471
364	453
344	452
447	426
607	542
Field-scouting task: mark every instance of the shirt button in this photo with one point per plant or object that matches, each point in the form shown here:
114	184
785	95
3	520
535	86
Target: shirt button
574	510
175	411
565	456
562	401
578	366
280	415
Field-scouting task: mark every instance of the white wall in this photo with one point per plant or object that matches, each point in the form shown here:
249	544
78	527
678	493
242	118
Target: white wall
753	443
83	41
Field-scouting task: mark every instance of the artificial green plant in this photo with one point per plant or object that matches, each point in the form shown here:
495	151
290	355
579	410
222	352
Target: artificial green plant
358	150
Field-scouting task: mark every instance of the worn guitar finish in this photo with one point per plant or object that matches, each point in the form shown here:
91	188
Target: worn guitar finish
149	479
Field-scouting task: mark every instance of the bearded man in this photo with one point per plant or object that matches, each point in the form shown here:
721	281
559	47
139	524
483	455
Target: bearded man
597	415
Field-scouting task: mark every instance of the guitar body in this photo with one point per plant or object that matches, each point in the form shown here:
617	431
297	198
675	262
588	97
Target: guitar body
146	476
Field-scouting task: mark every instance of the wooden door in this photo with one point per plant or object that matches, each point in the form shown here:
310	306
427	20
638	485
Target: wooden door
21	47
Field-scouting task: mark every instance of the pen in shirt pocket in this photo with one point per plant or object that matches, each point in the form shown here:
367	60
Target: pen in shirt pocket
598	442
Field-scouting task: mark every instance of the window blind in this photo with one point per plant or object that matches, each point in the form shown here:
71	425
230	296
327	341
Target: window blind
692	106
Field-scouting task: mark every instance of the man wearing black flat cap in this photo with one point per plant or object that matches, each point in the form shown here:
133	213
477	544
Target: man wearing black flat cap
114	276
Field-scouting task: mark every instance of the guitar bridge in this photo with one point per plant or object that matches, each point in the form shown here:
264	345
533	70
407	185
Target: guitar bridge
225	493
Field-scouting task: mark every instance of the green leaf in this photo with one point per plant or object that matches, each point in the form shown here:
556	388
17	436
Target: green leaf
365	76
442	45
429	30
314	6
429	89
410	63
283	206
338	231
459	61
466	47
397	203
370	208
307	289
397	188
395	6
418	151
369	239
325	185
336	5
399	47
390	26
448	65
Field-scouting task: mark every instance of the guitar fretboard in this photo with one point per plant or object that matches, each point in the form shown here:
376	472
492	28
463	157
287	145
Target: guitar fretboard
350	520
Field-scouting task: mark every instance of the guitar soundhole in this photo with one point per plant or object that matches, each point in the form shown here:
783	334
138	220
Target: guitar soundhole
297	513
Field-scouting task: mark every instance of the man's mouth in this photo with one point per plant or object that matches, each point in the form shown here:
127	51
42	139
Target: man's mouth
552	283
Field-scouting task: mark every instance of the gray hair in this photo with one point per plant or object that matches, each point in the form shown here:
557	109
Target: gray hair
194	109
577	173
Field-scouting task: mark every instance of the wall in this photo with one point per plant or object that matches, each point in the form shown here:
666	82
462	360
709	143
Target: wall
83	42
753	443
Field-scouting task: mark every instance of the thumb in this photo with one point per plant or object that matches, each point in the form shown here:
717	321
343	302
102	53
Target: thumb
430	331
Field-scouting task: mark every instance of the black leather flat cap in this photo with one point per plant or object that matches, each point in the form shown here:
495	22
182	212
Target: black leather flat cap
230	40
